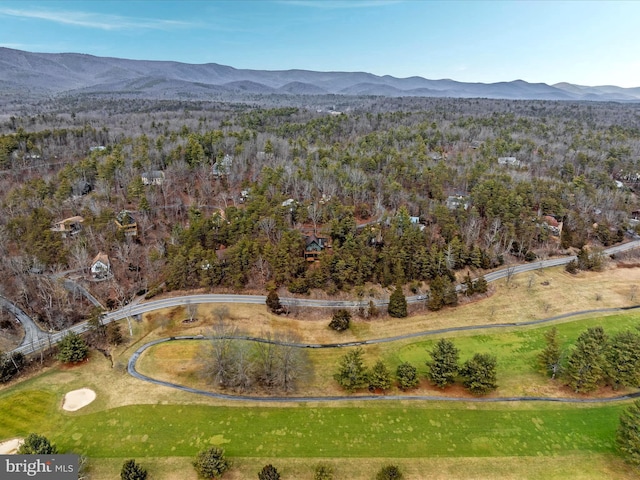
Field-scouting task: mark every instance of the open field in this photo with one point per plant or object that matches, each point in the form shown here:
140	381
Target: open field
530	296
184	361
418	433
462	441
163	428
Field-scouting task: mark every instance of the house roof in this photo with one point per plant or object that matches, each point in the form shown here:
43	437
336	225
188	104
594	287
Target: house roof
74	219
549	220
310	239
153	174
125	218
102	258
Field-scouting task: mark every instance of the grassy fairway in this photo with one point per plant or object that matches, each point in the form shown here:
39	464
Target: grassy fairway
164	428
415	435
516	349
338	432
371	430
451	438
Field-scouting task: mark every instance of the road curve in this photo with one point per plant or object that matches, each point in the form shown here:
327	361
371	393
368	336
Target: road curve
131	368
33	334
44	340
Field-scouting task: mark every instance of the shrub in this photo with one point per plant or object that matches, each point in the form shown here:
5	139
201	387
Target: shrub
132	471
36	444
72	349
211	463
571	267
273	302
407	376
389	472
299	285
269	472
323	472
340	320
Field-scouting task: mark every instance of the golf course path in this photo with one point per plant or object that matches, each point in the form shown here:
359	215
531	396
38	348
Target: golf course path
131	368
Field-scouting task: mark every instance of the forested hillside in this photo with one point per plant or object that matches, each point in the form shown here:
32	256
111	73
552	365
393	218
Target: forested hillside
370	192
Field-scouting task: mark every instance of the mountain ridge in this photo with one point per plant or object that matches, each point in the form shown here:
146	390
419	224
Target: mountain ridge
52	74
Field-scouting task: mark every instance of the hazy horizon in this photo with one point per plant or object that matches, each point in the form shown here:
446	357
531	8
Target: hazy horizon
583	43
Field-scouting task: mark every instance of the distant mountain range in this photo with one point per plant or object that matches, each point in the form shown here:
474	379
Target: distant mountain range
40	75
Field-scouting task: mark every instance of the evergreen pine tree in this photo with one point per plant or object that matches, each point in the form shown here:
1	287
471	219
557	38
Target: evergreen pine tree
628	435
36	444
397	304
352	373
481	285
407	376
380	377
443	367
586	365
132	471
273	302
470	287
211	463
549	358
479	374
623	360
72	348
269	472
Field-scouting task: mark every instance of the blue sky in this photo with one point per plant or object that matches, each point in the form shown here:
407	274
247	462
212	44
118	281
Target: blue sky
582	42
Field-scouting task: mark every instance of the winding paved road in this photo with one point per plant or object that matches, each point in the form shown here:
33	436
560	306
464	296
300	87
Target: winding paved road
36	339
40	339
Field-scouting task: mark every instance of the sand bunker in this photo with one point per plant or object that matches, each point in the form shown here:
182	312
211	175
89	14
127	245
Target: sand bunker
77	399
9	447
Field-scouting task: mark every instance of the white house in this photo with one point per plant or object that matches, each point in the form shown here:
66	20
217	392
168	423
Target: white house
154	177
510	161
222	166
457	201
101	267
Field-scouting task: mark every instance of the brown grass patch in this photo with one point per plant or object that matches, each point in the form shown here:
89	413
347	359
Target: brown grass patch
576	467
528	296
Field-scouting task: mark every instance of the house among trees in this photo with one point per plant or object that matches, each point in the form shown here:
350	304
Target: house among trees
69	227
153	177
457	201
416	221
509	161
553	225
100	266
222	166
314	246
126	223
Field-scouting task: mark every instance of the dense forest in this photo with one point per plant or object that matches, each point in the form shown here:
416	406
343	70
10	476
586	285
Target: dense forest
341	197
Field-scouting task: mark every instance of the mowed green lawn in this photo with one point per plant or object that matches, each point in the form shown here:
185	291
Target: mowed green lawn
458	440
398	430
516	350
